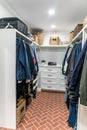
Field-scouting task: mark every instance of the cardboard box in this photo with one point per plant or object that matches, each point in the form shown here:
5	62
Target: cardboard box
35	38
78	29
54	40
71	36
38	38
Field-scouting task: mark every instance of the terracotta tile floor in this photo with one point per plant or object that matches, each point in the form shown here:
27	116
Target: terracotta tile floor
47	112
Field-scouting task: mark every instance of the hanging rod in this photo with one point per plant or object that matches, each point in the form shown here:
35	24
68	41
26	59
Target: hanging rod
20	35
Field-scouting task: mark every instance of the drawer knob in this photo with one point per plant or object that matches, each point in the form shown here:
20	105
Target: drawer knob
49	86
49	80
49	75
49	70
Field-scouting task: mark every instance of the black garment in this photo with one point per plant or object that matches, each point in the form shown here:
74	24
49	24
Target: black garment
73	59
83	84
30	60
69	49
22	89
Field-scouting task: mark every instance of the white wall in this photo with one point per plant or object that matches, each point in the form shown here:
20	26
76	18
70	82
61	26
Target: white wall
5	10
54	54
63	37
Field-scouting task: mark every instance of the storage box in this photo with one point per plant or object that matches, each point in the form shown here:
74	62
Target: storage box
78	29
85	21
40	38
35	38
71	36
14	22
54	40
20	111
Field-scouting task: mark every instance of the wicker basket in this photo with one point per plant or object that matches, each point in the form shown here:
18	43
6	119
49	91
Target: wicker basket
20	111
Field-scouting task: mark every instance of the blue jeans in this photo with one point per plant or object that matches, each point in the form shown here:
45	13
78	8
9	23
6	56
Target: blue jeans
75	127
72	114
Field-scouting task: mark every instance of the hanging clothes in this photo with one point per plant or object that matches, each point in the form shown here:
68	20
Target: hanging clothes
26	68
65	60
30	60
72	106
73	89
70	63
22	65
73	58
35	58
77	53
83	84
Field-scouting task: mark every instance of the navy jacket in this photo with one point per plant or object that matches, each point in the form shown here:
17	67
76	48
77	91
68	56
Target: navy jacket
73	89
77	53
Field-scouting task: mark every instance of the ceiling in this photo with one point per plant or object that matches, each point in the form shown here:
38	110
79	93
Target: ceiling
68	13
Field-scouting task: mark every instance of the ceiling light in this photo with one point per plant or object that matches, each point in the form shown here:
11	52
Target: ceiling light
53	26
51	12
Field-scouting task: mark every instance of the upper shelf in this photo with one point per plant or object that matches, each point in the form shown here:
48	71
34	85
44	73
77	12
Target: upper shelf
79	35
19	34
27	38
54	46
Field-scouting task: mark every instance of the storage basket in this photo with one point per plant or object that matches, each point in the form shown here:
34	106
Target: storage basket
20	111
15	23
71	36
78	29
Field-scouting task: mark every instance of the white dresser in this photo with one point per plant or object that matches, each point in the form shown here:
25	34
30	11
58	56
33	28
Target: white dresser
51	78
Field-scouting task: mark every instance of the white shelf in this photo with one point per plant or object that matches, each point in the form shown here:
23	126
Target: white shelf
19	34
52	46
79	35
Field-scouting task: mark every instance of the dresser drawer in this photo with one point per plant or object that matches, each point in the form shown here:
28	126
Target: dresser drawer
49	75
48	81
48	87
52	78
49	69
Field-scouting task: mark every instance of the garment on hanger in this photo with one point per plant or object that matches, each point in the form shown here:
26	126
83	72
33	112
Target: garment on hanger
22	65
72	119
72	106
35	58
73	89
73	60
65	60
25	69
30	60
83	84
71	65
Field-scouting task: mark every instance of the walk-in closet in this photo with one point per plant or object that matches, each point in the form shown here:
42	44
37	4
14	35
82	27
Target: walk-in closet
43	65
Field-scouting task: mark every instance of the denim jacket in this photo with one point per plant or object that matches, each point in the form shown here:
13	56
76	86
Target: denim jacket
22	65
